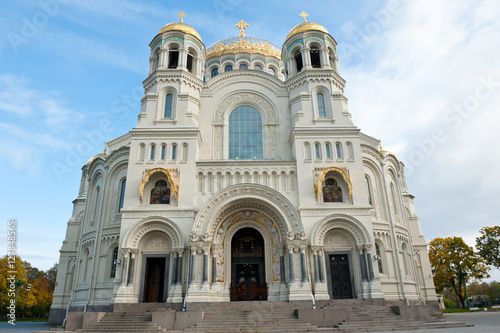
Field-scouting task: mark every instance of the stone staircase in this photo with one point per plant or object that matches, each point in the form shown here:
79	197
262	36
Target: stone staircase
255	316
266	317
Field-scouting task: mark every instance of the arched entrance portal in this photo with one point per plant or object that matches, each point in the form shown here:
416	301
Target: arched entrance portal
248	280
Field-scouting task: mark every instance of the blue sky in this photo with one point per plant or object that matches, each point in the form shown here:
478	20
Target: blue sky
423	76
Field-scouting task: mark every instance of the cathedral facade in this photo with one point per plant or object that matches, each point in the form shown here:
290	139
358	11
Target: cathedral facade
244	178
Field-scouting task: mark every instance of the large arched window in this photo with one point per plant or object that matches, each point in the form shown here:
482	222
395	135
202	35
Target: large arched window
368	187
168	105
245	133
215	72
315	58
228	68
298	60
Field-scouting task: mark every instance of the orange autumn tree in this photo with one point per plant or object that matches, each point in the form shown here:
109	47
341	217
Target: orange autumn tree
35	296
450	256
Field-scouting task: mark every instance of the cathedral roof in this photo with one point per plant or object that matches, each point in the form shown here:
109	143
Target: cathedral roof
306	26
101	155
237	44
180	26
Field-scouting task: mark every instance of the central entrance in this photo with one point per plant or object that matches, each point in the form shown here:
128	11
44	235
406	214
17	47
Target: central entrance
155	280
248	266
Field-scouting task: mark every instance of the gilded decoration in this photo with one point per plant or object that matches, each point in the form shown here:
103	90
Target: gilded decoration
243	46
242	216
318	187
306	26
179	26
173	182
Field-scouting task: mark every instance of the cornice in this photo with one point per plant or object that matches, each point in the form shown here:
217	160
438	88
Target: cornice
164	75
257	77
323	131
315	75
171	132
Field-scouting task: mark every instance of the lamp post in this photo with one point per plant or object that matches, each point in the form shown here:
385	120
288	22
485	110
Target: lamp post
462	276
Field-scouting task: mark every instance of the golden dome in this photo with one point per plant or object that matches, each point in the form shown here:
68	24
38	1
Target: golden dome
95	157
179	26
243	44
306	26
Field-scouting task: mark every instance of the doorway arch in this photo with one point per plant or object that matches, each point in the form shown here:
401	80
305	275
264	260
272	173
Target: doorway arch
248	276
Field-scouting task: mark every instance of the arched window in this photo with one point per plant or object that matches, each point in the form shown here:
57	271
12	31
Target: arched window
393	194
307	151
160	194
315	58
169	99
228	68
185	152
96	202
271	71
321	105
332	191
379	259
190	62
122	194
156	61
243	66
174	152
114	259
368	187
245	133
257	68
317	151
350	151
215	72
298	60
328	151
338	149
173	58
163	151
153	151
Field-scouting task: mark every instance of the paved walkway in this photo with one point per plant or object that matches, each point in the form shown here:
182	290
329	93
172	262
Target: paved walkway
484	322
24	327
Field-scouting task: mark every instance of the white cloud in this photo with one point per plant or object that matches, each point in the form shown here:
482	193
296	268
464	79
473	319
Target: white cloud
431	57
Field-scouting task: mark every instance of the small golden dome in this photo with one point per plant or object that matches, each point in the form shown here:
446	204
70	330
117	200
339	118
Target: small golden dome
95	157
306	26
179	26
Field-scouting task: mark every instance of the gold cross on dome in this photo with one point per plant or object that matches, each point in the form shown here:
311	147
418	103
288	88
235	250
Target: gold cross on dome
242	25
181	15
304	15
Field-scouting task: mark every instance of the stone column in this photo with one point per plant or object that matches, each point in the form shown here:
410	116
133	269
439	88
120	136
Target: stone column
130	277
325	61
179	266
174	268
306	56
316	266
290	265
303	272
199	288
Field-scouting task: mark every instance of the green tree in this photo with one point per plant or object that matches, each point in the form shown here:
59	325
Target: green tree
488	245
448	257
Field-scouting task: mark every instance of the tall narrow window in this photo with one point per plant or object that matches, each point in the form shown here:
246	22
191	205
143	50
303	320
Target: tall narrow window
368	187
243	66
298	60
393	193
338	149
189	63
379	259
174	152
168	106
173	58
185	152
307	151
245	133
321	105
163	151
122	195
114	259
328	151
142	152
228	68
315	58
152	155
96	202
215	72
317	151
350	151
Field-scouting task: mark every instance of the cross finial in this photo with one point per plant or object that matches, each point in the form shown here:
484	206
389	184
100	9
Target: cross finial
242	25
304	15
181	15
